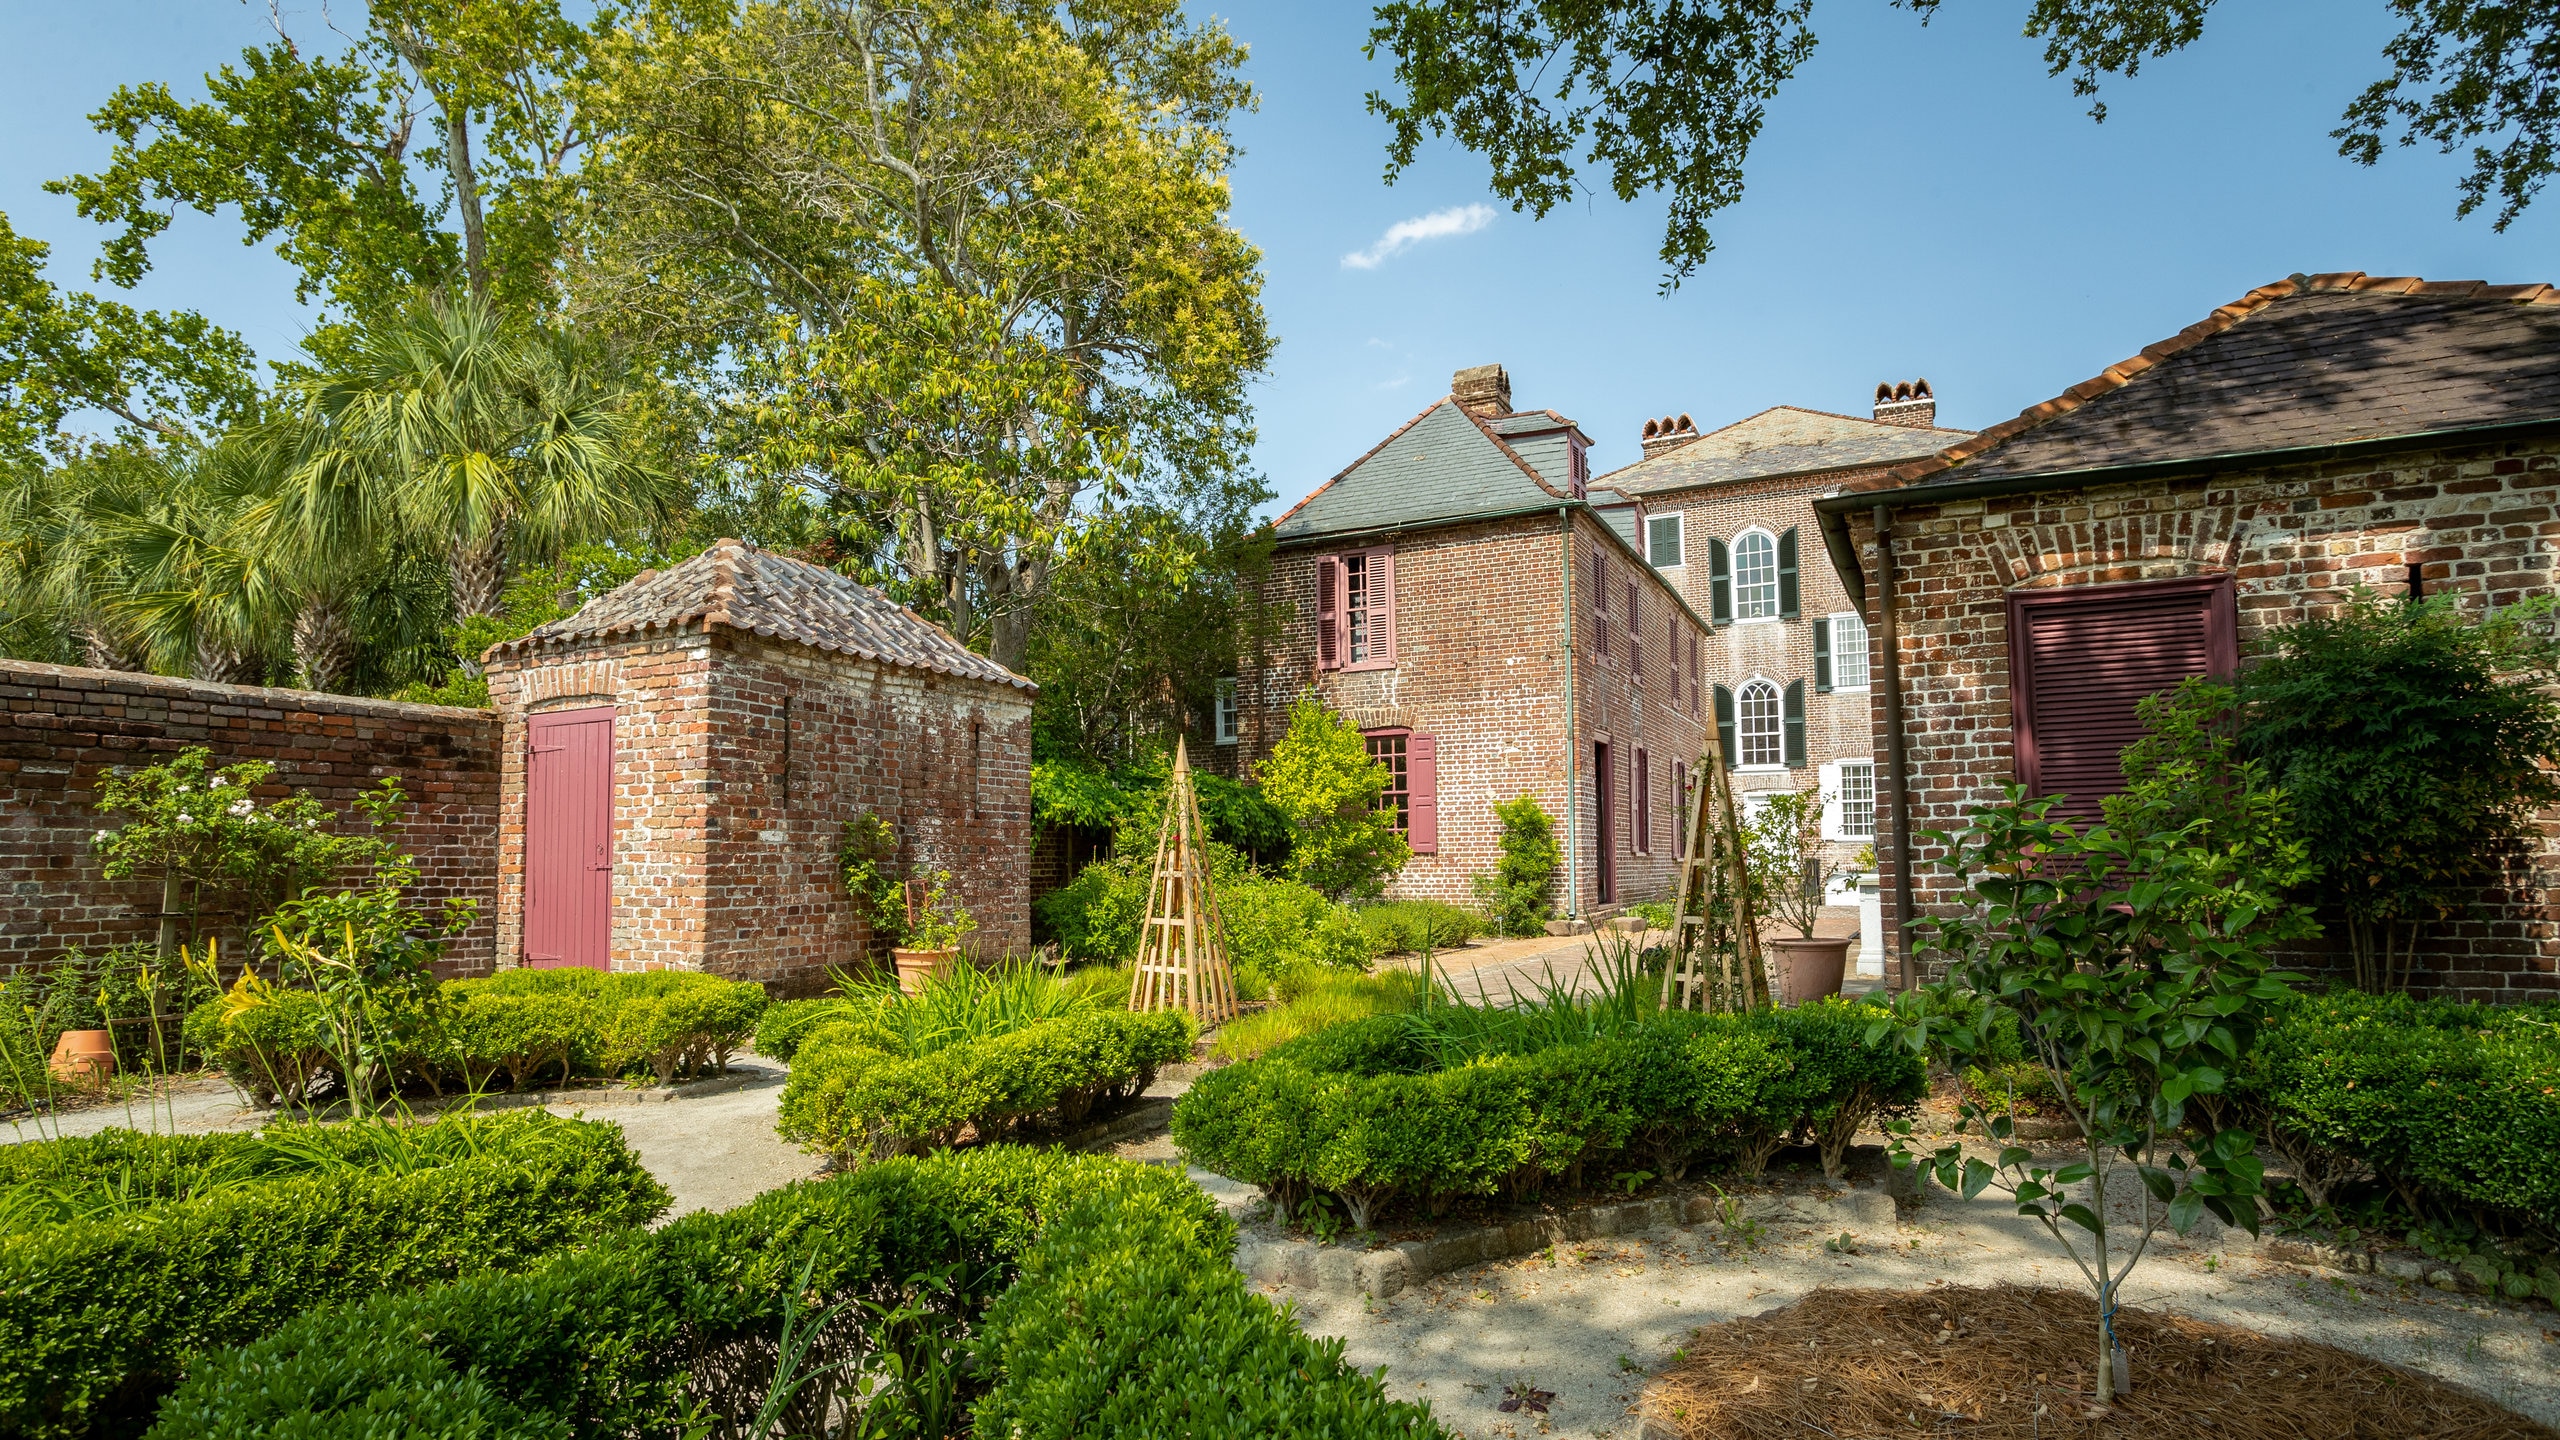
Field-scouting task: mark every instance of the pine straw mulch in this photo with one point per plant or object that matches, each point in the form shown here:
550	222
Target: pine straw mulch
2008	1361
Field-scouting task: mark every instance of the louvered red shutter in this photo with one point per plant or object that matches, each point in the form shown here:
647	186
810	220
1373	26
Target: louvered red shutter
1644	802
1382	604
1329	613
1422	793
1600	602
1635	634
1696	679
2082	659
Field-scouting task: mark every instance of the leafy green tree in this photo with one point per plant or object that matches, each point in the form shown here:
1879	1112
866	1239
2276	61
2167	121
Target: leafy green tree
1321	778
2134	967
1524	868
162	377
962	270
1670	94
440	145
2413	765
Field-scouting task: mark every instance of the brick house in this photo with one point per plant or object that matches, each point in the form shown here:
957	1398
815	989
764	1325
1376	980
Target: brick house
1726	517
1458	596
681	755
2316	435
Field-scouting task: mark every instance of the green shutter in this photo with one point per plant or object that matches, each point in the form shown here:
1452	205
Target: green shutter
1795	724
1719	583
1788	609
1726	735
1822	656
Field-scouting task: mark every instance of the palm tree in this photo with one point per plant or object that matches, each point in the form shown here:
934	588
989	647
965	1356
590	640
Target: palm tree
496	442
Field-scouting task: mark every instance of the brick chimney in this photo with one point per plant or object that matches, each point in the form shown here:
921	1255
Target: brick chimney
1483	389
1908	403
1668	433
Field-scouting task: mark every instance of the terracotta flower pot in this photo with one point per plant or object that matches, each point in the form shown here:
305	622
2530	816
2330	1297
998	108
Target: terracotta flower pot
1809	969
915	965
84	1057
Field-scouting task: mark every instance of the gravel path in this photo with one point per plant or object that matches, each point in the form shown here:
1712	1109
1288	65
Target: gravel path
1593	1322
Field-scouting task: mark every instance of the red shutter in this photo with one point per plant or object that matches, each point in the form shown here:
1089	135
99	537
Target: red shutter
1644	802
1382	604
1422	793
1635	634
1600	601
1328	613
2082	658
1696	680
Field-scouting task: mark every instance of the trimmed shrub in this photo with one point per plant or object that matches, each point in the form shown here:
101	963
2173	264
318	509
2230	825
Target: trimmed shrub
2458	1103
1115	1311
277	1052
856	1095
1401	927
1367	1112
1273	925
101	1316
783	1026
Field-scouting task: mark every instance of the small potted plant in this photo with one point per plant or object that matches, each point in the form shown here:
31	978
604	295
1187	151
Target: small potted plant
84	1057
935	926
1795	869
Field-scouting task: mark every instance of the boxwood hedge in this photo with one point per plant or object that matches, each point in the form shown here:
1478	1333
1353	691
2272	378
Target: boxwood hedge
1082	1296
855	1094
2455	1103
101	1315
508	1031
1368	1113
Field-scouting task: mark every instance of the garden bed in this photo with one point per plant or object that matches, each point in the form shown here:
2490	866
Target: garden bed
2001	1361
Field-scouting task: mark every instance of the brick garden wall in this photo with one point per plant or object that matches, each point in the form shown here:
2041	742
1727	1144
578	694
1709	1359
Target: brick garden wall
63	727
2482	521
736	763
1481	644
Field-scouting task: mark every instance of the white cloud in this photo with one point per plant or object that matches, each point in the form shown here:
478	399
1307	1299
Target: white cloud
1439	224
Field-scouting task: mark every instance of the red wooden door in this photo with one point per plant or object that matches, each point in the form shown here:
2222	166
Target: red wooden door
2081	659
1604	776
568	839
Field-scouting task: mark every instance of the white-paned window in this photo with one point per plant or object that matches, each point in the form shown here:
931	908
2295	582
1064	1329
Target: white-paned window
1361	615
1662	541
1223	711
1755	577
1856	805
1757	714
1848	651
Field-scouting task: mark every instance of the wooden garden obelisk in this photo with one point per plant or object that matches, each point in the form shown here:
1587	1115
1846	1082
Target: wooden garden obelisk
1716	963
1182	950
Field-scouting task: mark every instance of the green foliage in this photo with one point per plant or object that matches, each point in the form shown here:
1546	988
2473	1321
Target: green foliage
786	1023
1402	927
2413	765
128	991
1379	1111
867	848
963	1003
1321	778
1791	864
1524	872
1671	97
858	1093
2135	967
1312	1000
1273	926
938	921
1005	1255
283	1045
1128	800
2455	1107
159	1284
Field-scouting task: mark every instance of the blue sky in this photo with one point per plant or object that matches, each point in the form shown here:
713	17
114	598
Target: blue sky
1923	201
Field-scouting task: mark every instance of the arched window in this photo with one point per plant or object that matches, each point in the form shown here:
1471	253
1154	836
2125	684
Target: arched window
1762	726
1755	576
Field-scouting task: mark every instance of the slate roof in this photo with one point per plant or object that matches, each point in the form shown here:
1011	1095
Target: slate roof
1781	440
736	586
2309	361
1444	464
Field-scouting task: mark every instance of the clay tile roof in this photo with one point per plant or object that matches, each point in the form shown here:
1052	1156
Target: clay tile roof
736	586
2310	361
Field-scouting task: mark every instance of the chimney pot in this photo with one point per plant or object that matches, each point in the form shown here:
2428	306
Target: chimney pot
1482	390
1668	433
1908	403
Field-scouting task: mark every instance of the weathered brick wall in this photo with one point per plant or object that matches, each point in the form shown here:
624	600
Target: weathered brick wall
63	727
1481	644
727	821
1632	714
2482	521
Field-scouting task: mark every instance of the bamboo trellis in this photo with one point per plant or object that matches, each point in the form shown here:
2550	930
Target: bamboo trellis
1716	964
1182	949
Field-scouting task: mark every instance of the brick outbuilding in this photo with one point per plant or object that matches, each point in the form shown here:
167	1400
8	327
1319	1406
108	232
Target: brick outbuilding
681	756
2026	587
1457	596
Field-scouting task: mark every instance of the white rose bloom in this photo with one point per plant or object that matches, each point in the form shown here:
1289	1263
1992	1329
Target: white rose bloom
185	819
241	807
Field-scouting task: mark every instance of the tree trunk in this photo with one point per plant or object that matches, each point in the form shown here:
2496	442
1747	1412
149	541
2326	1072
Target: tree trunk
324	646
479	574
104	652
225	665
466	194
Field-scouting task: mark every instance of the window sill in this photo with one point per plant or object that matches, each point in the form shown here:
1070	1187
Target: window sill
1762	770
1366	666
1760	620
1847	690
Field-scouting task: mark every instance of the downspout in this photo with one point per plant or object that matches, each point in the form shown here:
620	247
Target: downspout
1897	758
1572	743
